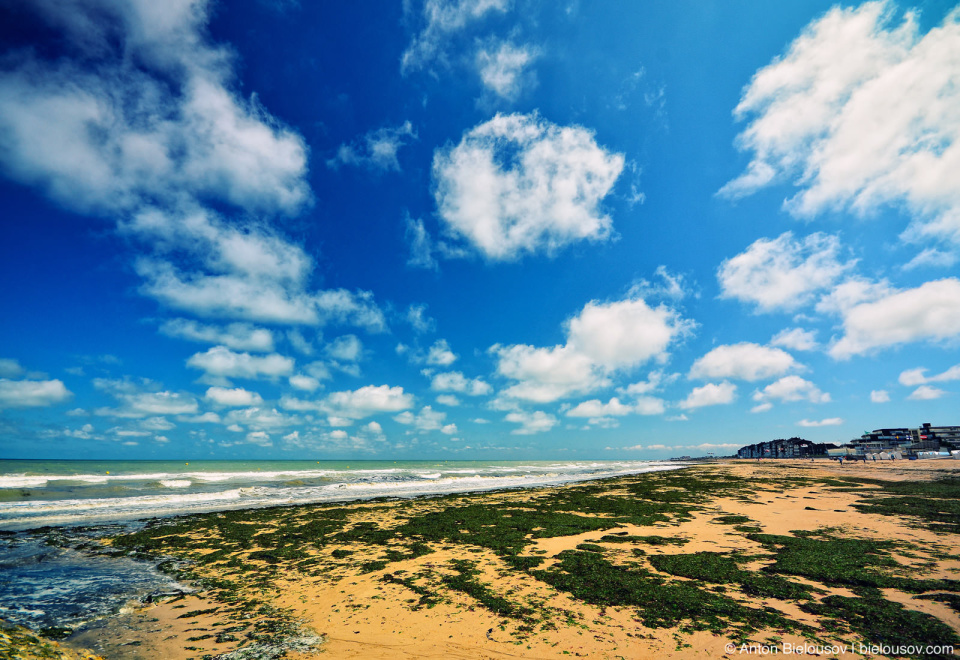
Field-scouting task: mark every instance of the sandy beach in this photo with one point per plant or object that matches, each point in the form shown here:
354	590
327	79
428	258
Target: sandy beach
691	563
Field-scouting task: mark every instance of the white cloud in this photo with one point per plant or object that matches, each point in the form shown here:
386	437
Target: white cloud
919	376
501	67
157	424
926	393
306	383
711	394
427	419
418	319
261	438
743	361
624	333
518	183
879	396
220	363
107	135
260	418
454	381
377	150
32	393
930	312
601	339
832	421
531	423
448	400
440	354
149	404
366	401
151	143
860	113
347	348
300	343
10	368
233	397
791	388
782	273
441	20
655	380
796	339
932	258
596	409
238	336
546	374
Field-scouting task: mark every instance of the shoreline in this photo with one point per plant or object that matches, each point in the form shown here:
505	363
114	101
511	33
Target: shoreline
521	572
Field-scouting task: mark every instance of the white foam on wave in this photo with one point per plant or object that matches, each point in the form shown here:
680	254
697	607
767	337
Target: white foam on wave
34	513
22	481
175	483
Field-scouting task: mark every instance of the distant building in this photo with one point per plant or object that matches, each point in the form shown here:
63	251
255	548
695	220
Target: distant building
789	448
926	438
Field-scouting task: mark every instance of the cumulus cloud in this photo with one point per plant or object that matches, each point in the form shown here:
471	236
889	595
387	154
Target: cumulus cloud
139	121
926	393
791	388
442	19
10	368
602	339
831	421
930	312
377	150
347	348
32	393
743	361
106	136
860	113
501	67
595	408
366	401
262	419
220	363
427	419
448	400
440	354
302	382
417	318
796	339
149	404
518	183
455	381
879	396
711	394
233	397
783	273
918	376
531	422
238	336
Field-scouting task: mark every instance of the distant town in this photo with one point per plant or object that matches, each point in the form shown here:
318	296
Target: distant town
925	441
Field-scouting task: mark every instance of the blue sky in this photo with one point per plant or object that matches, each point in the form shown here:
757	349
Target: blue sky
460	229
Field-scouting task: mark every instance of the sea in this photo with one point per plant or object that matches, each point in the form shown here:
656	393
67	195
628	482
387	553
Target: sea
51	576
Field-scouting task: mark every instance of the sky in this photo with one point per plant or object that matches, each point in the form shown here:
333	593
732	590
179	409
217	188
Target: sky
474	229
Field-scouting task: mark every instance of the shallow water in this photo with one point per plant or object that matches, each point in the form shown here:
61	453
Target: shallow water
37	493
44	586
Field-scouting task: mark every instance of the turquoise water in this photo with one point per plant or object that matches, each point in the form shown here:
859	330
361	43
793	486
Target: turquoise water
57	493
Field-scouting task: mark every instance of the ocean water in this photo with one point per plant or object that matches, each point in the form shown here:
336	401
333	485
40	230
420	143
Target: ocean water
51	576
69	493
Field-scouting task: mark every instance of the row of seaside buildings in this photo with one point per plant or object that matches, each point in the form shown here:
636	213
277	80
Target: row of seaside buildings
923	441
